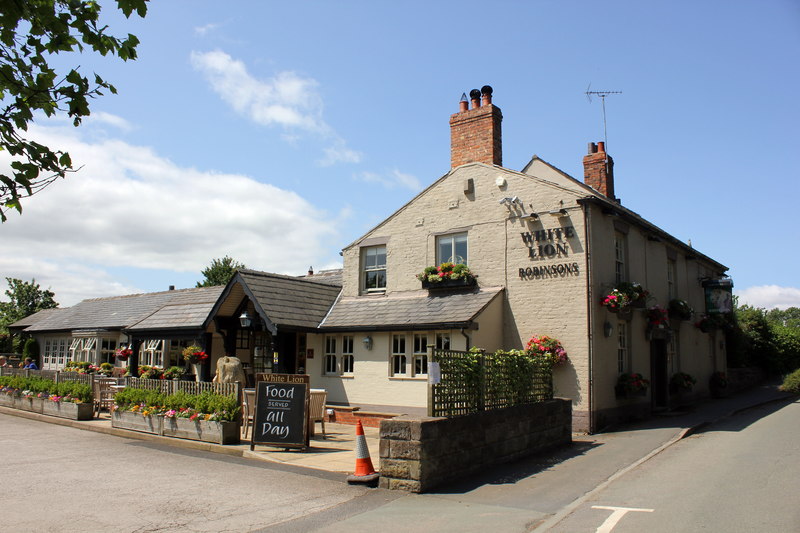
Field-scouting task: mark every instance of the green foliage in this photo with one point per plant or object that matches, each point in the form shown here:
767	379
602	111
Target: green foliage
173	372
219	407
6	343
25	299
31	349
31	34
682	381
769	339
792	382
219	272
68	390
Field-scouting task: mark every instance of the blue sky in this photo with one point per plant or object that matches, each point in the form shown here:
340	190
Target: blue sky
278	133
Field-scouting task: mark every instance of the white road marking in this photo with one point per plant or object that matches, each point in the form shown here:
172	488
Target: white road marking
616	516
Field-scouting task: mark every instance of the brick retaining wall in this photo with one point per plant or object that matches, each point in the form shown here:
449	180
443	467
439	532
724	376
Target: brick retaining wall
417	454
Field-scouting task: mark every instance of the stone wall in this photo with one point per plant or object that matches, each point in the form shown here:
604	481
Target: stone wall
417	454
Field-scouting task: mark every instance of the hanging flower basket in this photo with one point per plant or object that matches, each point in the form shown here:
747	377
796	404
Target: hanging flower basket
680	310
123	353
626	295
194	355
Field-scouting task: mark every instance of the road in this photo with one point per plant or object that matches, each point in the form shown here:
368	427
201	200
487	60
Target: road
60	479
739	475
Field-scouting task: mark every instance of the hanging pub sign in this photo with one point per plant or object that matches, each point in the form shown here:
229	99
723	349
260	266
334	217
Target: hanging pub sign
281	413
719	295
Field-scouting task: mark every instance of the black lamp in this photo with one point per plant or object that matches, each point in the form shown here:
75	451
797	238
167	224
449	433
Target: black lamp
245	320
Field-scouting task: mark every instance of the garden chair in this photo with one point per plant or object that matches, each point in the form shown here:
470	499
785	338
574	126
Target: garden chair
103	394
316	410
248	409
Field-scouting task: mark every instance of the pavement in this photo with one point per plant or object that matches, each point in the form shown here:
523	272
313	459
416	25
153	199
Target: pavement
594	459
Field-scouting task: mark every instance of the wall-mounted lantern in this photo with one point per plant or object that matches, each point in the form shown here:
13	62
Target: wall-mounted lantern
245	320
367	342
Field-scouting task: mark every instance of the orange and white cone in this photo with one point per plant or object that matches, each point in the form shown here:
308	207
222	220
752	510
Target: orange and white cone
365	472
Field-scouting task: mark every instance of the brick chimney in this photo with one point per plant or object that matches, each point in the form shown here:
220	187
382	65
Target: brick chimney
475	133
598	170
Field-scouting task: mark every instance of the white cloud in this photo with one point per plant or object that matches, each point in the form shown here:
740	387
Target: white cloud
286	99
112	120
770	296
391	180
130	207
339	153
202	30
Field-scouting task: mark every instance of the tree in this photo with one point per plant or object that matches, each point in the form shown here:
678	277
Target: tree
31	33
26	299
220	272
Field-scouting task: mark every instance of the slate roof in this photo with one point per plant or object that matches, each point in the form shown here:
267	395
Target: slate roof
287	300
119	312
417	309
35	318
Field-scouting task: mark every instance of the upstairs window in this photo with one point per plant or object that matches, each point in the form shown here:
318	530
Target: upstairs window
671	292
452	249
374	258
620	254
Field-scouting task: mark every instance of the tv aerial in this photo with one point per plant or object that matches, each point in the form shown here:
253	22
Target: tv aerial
602	94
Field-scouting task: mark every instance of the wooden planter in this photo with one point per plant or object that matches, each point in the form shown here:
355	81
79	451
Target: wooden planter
34	405
8	400
73	411
202	430
136	422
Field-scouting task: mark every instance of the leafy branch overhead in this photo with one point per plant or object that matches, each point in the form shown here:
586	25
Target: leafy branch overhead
32	32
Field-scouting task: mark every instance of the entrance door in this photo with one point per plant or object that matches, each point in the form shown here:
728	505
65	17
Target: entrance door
287	353
659	379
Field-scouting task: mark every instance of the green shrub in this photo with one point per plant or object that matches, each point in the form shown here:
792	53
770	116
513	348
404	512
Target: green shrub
31	349
792	382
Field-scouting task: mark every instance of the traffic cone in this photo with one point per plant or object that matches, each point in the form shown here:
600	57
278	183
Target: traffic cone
365	472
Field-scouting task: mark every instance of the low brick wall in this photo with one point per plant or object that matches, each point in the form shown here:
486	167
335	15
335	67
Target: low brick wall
417	454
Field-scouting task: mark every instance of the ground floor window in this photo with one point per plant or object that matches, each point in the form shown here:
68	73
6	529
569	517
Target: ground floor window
673	354
330	356
81	349
399	355
420	353
108	348
347	354
151	352
55	353
622	347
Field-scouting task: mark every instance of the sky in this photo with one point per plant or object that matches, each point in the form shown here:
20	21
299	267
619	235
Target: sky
277	133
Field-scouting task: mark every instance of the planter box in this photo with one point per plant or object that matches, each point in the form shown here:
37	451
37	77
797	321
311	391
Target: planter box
202	430
136	422
34	405
73	411
450	284
8	400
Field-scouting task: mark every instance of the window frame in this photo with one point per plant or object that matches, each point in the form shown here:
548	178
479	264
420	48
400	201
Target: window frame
330	364
623	347
452	237
420	354
398	360
366	270
672	279
348	355
620	257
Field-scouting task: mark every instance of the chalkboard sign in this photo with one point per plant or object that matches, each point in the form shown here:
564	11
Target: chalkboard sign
281	413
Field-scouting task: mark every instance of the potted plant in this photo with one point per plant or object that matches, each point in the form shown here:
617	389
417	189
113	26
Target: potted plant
680	309
631	384
681	382
173	372
446	276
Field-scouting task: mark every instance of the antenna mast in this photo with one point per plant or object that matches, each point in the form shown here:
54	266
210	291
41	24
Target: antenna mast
602	95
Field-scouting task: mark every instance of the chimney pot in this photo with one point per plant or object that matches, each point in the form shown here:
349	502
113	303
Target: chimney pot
486	92
601	146
311	271
463	104
592	148
172	287
475	95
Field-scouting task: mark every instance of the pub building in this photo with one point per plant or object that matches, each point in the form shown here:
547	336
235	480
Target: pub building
545	248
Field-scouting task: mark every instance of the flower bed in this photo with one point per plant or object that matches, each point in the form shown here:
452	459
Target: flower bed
206	417
37	395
